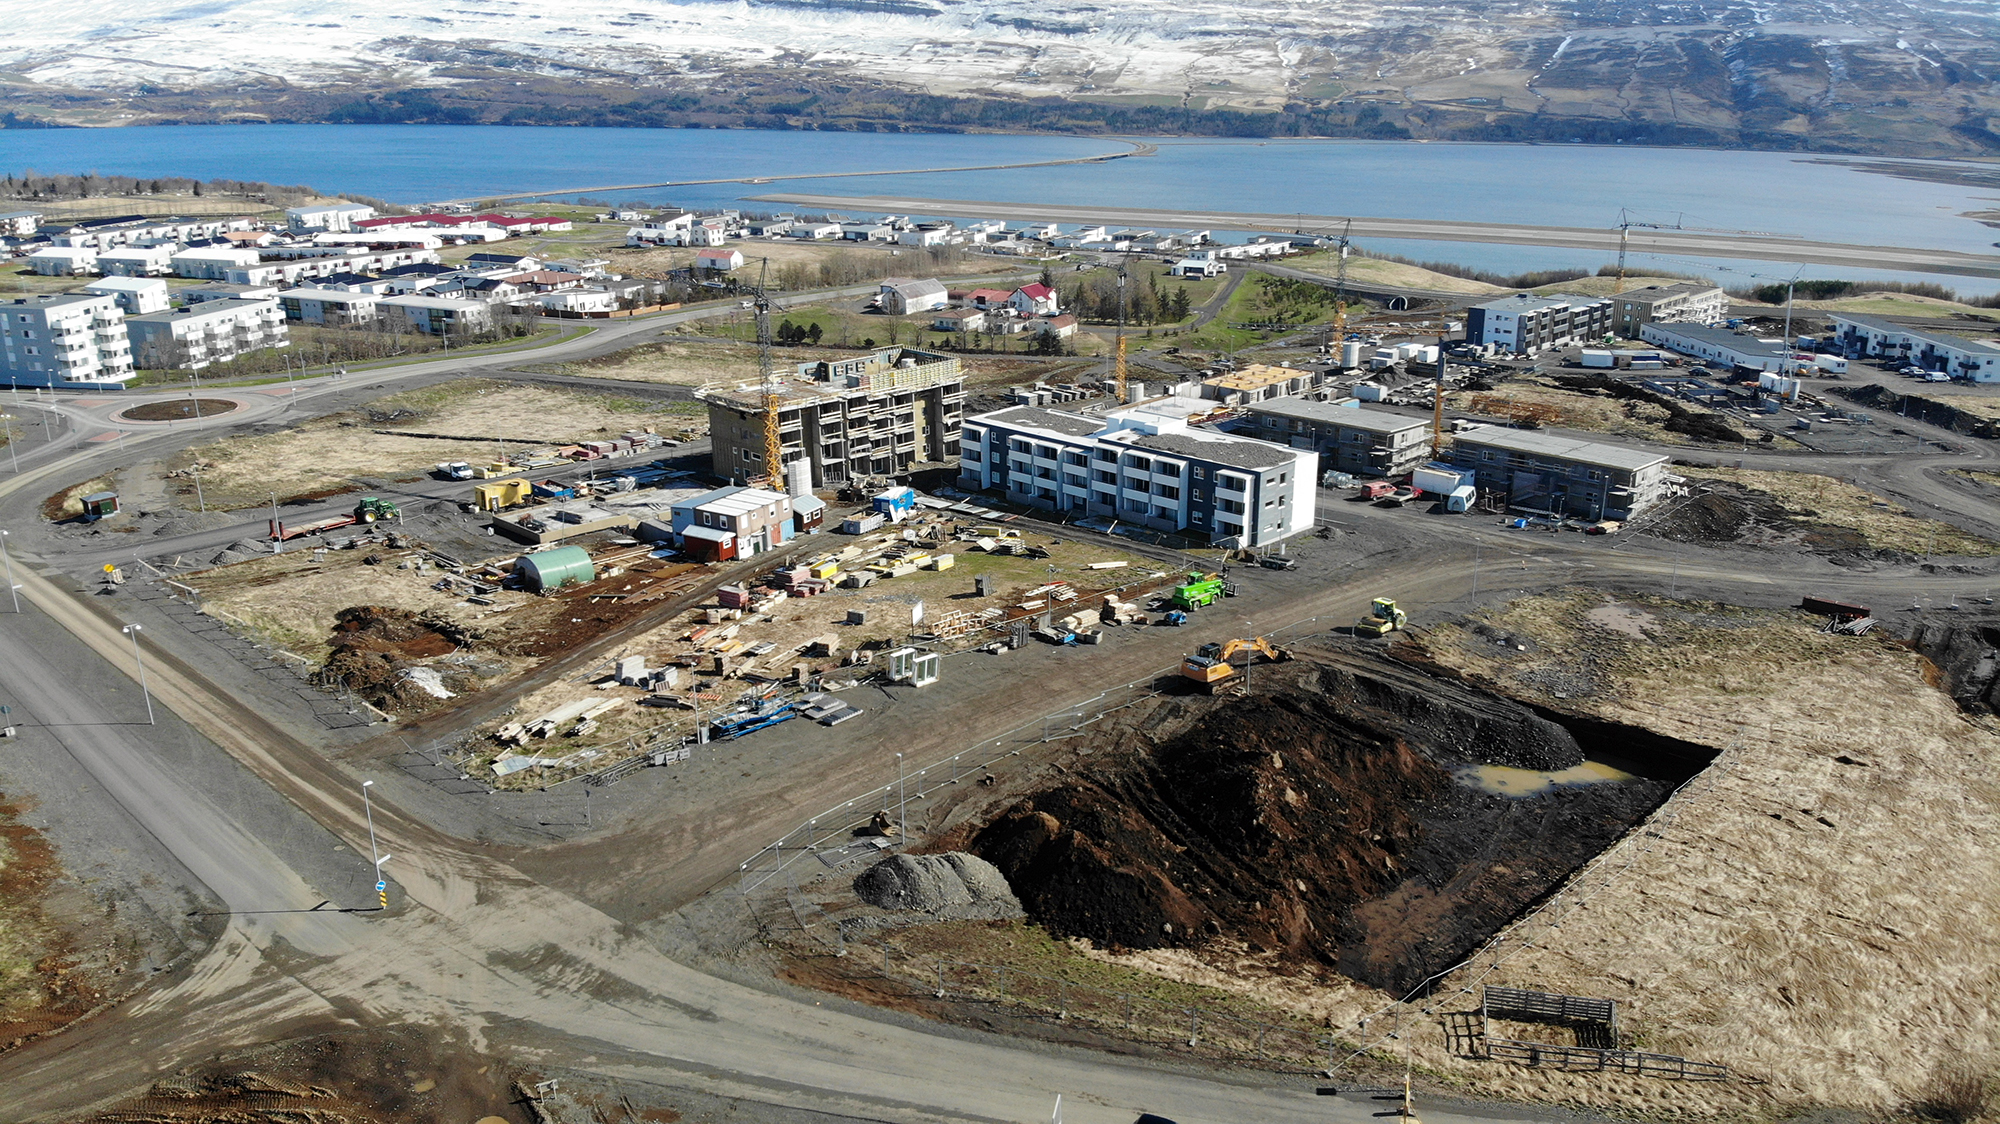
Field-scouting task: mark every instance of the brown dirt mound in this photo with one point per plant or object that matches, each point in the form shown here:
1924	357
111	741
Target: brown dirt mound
372	644
178	409
1322	822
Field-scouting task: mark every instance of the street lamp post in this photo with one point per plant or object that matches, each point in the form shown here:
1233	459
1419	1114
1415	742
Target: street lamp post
902	805
7	420
132	630
13	590
374	852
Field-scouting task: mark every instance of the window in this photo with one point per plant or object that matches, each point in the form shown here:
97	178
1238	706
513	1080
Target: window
973	456
1200	473
1198	519
1166	491
1075	458
1142	464
1283	476
1103	477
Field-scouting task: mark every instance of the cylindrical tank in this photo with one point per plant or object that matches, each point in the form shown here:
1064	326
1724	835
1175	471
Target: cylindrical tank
545	570
1350	354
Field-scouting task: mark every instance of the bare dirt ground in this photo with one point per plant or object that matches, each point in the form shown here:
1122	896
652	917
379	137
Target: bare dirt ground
1380	272
1827	514
1542	399
334	453
864	260
51	971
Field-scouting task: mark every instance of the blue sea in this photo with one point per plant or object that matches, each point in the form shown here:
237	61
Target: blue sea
1560	185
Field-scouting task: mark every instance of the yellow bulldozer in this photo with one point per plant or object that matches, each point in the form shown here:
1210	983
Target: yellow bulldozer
1215	667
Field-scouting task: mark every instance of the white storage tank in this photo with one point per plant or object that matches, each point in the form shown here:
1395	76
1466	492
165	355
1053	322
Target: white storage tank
1350	354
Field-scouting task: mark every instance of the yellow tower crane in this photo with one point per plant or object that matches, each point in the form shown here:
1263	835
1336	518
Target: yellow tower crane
774	448
1118	360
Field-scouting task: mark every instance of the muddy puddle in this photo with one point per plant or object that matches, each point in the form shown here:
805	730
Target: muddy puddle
1353	812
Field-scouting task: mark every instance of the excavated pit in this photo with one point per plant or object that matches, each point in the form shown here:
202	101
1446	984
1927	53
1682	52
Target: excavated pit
1352	812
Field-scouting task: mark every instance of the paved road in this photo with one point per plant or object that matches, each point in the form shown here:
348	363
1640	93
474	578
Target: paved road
1678	243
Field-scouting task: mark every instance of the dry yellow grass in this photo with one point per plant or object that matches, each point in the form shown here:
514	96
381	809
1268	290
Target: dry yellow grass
876	256
1824	499
684	364
335	451
1818	910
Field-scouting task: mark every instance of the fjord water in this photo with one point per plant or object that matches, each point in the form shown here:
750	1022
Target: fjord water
1559	185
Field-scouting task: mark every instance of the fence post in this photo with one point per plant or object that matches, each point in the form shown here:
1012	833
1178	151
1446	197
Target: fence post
940	978
1002	973
885	959
1127	997
1062	1008
1194	1024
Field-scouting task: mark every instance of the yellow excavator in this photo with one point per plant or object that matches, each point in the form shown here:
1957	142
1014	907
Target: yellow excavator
1214	667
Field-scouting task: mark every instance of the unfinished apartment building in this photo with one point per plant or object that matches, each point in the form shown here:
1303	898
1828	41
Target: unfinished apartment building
876	415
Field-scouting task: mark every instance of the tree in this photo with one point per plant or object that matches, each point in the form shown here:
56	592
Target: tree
1048	277
813	333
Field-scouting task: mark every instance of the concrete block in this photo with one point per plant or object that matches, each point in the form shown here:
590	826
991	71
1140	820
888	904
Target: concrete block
857	616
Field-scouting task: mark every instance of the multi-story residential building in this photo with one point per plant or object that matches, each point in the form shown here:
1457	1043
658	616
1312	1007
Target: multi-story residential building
880	414
1546	474
1523	324
334	307
136	296
1878	337
139	230
1142	468
437	316
1690	302
210	332
19	224
212	263
338	218
1350	438
733	522
1260	382
64	339
138	261
63	261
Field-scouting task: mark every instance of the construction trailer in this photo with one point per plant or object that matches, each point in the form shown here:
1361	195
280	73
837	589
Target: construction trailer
496	495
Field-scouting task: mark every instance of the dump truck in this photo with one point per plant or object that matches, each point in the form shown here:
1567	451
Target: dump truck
1213	667
1200	589
1383	618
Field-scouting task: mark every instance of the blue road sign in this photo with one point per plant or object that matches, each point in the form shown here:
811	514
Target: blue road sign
381	886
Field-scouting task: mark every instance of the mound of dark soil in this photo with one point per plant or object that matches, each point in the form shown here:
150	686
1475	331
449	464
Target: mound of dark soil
372	644
178	409
1967	655
1322	821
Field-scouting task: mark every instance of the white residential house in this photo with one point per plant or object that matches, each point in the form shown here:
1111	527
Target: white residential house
63	261
19	224
72	340
718	261
902	296
959	320
136	296
138	261
335	217
867	232
1198	267
211	332
1036	299
924	236
571	301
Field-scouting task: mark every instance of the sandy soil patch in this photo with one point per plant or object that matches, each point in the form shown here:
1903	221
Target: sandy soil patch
340	452
1826	500
1379	272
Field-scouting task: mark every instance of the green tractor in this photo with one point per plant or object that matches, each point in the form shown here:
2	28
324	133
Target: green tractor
372	510
1199	590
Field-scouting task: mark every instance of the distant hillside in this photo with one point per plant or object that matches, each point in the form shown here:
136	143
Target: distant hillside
1824	75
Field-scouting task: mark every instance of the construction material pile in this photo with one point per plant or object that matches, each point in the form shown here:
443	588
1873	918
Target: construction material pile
966	886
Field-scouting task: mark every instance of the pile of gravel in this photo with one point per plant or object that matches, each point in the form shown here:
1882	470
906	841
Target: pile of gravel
242	550
964	885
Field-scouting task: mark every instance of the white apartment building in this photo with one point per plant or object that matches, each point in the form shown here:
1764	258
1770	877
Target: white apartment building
19	224
437	316
338	218
72	340
1524	324
1148	469
135	295
305	269
138	261
212	263
339	307
209	332
63	261
1877	337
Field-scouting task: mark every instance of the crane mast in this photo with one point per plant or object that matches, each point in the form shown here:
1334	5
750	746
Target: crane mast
1118	360
774	449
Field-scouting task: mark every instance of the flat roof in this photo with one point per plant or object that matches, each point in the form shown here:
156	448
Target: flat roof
1257	376
413	301
205	308
1237	452
127	284
737	501
1560	448
1884	324
1529	302
1352	417
1058	422
58	300
1723	337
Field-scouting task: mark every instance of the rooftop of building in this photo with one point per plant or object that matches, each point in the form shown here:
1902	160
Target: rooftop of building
1560	448
735	500
205	308
1330	413
58	300
1236	452
1677	289
1256	376
1885	324
127	284
1531	302
1057	423
1722	337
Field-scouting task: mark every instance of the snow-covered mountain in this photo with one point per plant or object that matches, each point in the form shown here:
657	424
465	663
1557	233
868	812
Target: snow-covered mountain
1730	69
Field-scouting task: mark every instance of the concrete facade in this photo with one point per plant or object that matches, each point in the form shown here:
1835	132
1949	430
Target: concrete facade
1717	345
1157	472
1347	438
64	340
337	218
877	415
437	315
1528	325
211	332
1879	338
310	305
1546	474
1690	302
136	296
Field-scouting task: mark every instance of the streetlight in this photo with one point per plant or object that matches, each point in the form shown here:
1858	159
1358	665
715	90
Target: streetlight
7	422
902	806
132	630
13	590
381	884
